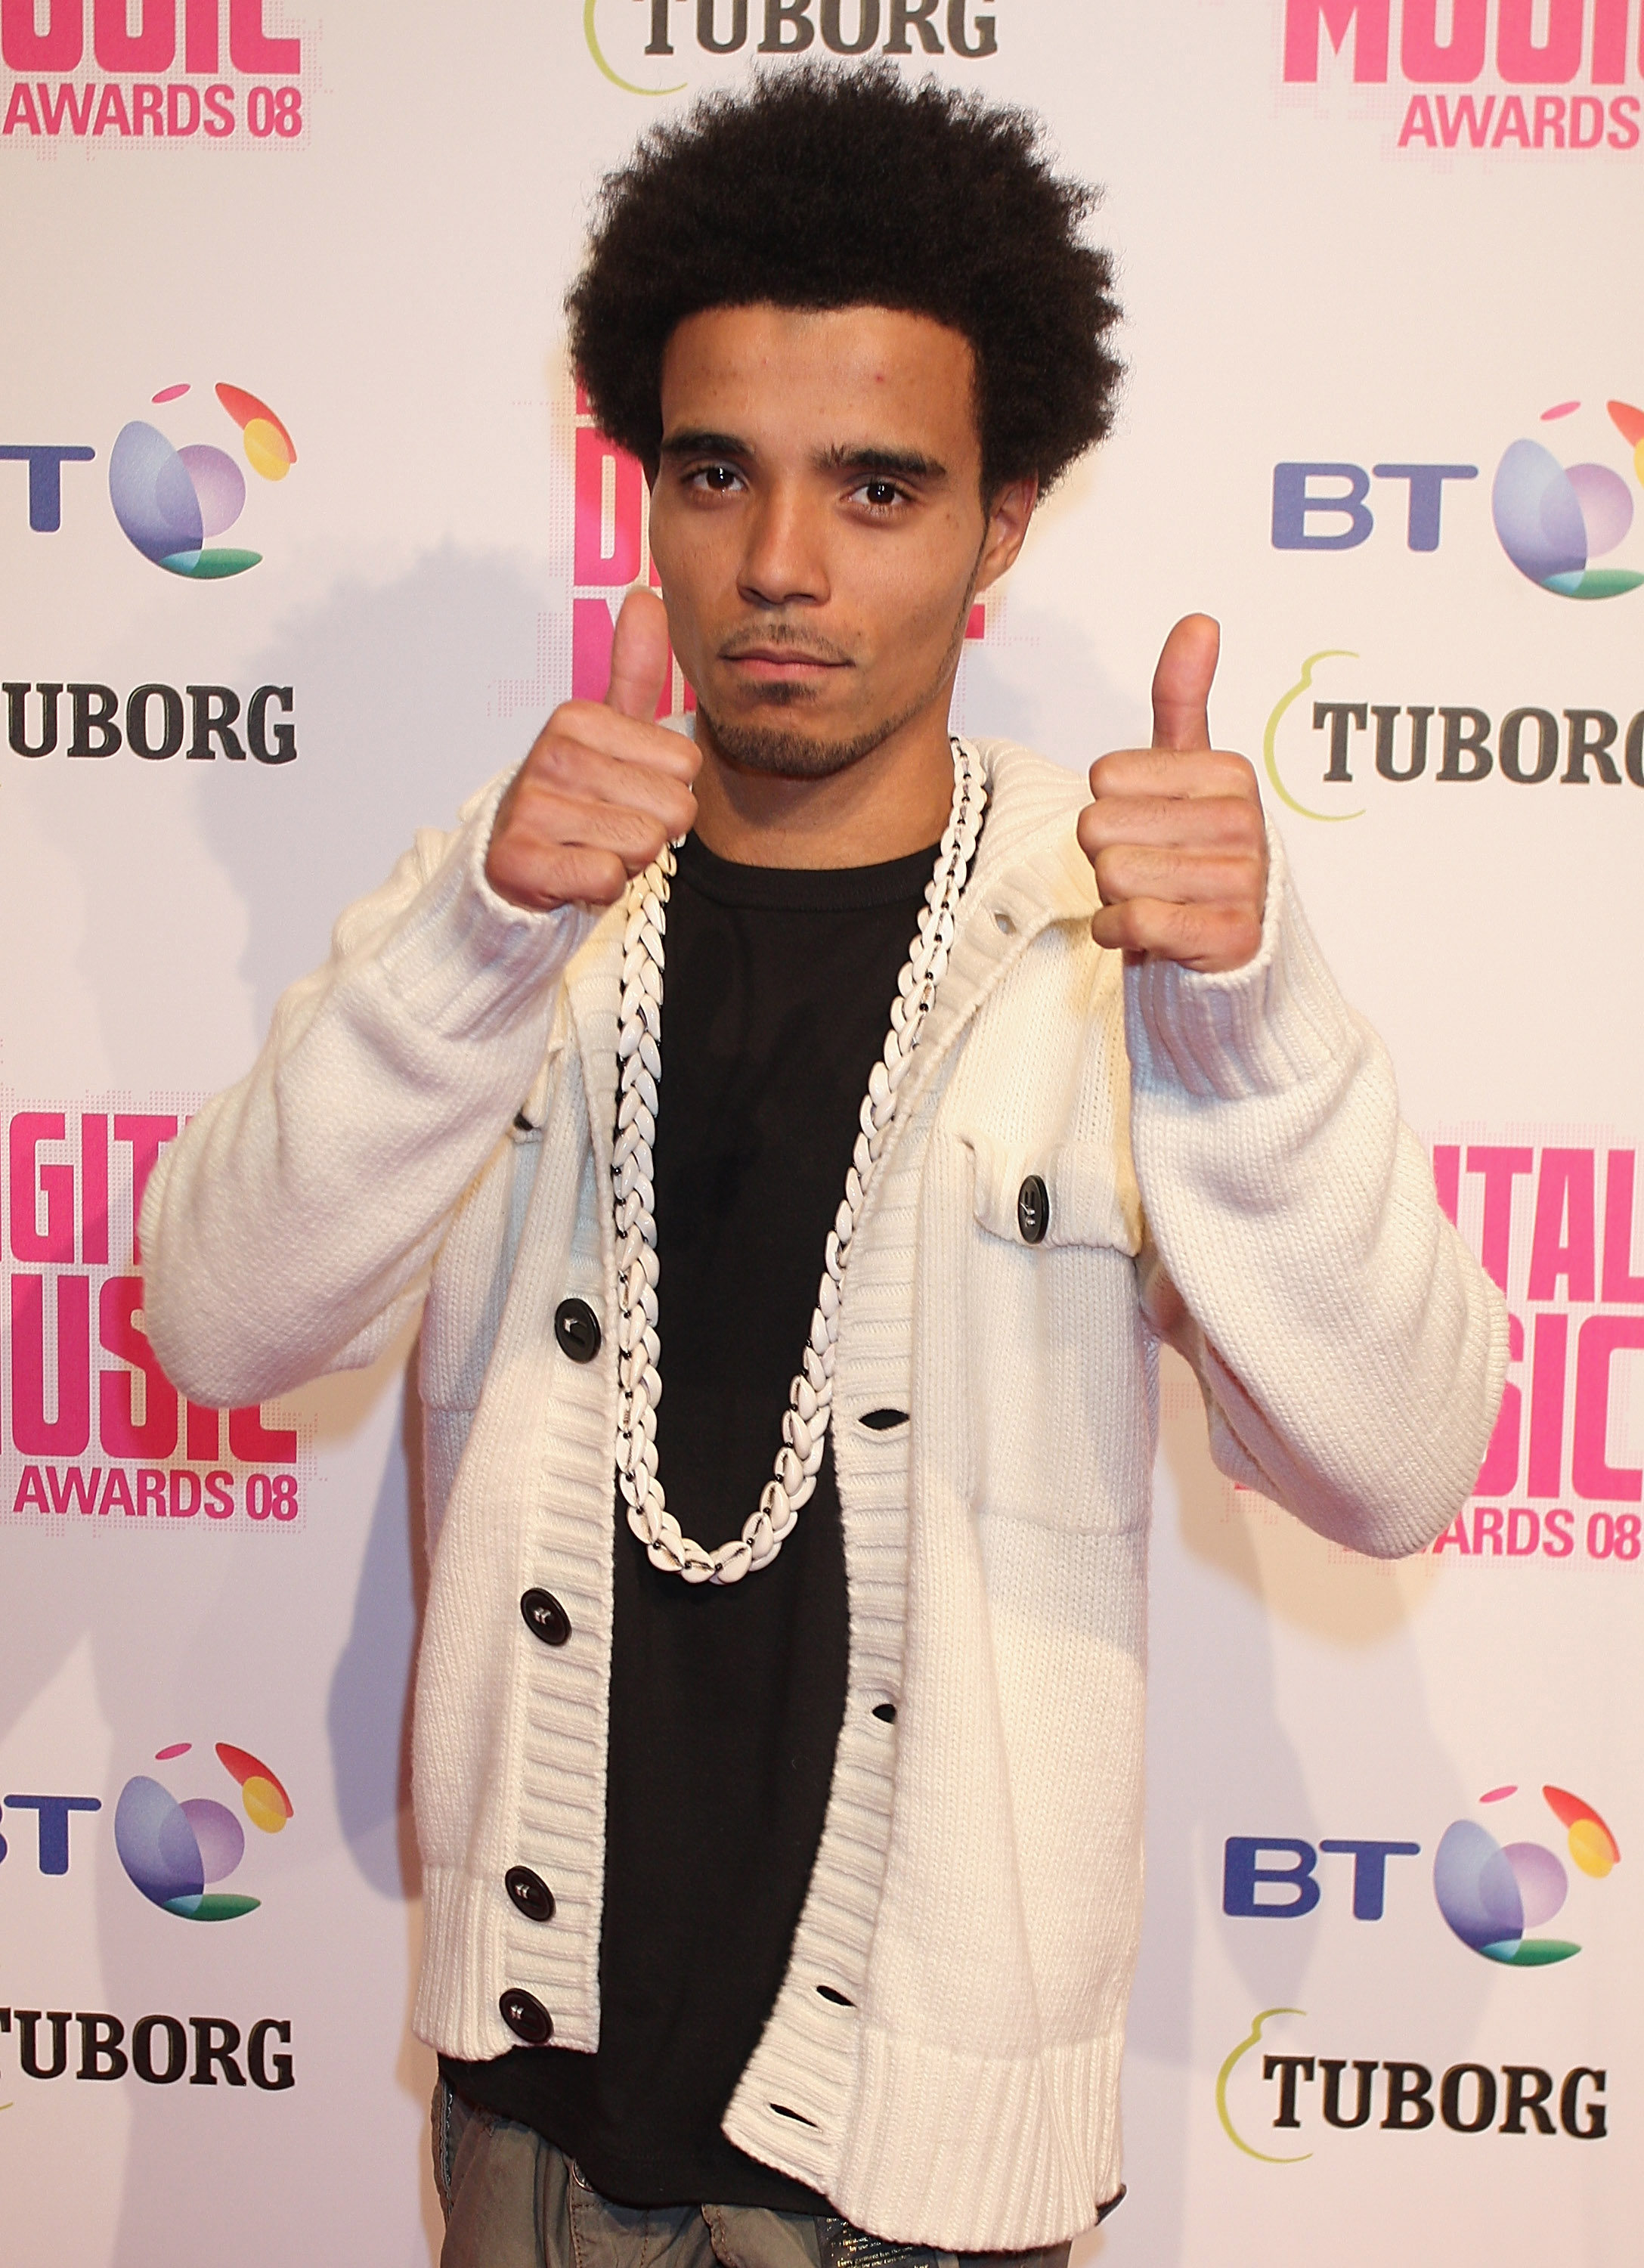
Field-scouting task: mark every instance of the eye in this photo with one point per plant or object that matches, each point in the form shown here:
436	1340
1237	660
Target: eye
880	495
717	480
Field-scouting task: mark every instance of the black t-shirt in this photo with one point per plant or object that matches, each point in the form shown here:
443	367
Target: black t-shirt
725	1702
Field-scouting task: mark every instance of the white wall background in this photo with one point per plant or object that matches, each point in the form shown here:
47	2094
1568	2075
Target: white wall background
1299	287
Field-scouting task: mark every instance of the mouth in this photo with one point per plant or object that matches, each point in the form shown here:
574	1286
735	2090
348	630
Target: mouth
779	663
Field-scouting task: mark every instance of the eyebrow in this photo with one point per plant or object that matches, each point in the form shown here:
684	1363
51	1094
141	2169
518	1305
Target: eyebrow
865	457
701	441
844	456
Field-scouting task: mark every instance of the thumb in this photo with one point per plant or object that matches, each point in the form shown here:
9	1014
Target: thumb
1181	684
639	657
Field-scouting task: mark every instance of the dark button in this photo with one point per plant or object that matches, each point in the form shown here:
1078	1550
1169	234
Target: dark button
526	2017
882	1421
529	1893
522	1124
545	1617
576	1328
885	1712
1032	1210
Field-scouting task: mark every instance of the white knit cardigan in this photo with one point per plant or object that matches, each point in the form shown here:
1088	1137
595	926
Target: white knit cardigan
1226	1168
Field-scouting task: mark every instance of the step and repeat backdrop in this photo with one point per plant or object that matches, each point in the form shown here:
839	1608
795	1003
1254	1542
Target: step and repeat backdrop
303	529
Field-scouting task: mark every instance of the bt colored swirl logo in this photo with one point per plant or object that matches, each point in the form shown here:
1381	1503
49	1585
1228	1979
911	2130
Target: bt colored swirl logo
1555	519
169	500
173	1851
1492	1895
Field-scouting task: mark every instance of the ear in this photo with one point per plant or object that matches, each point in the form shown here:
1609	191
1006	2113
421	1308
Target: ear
1007	518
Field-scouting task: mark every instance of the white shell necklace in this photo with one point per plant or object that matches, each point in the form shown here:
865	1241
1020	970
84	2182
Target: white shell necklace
639	1358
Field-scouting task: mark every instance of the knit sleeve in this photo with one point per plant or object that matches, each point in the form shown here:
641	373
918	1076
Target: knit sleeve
292	1228
1350	1350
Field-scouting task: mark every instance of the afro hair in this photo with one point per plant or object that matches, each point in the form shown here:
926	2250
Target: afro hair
820	187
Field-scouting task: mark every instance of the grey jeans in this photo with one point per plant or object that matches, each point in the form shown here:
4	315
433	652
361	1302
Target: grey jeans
512	2200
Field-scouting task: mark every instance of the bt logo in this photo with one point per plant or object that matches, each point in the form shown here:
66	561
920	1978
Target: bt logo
52	1815
167	500
1551	520
172	1851
1490	1895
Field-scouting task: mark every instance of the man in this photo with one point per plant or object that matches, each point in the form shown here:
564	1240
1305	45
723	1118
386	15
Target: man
781	1834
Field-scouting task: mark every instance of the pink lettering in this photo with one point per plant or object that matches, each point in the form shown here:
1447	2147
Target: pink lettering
1476	122
57	48
1450	62
146	1131
1500	1470
250	50
30	1491
1622	1287
1550	121
1553	62
149	48
1546	1405
255	1444
123	1433
1418	126
73	1490
602	467
1304	20
1487	1528
1602	1337
199	35
20	111
72	102
33	1184
1563	1192
67	1434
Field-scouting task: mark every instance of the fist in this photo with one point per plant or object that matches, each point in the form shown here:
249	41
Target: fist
1176	833
603	788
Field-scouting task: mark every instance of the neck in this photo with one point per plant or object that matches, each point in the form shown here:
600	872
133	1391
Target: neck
887	804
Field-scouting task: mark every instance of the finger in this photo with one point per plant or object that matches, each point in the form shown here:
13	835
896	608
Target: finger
549	821
639	656
1209	938
1181	684
1230	823
625	740
1130	870
569	768
1180	774
564	876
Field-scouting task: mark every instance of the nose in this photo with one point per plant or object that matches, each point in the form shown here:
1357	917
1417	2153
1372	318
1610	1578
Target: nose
784	560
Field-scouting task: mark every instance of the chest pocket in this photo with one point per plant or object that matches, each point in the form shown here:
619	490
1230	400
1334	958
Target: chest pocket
1070	1193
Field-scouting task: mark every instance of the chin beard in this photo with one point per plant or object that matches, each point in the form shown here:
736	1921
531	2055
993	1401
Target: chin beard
777	753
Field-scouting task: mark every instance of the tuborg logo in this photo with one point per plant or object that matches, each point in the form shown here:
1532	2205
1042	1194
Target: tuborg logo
168	501
172	1851
1492	1895
779	28
1554	519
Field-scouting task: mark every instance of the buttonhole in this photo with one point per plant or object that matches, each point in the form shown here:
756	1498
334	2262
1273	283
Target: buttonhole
885	1712
838	1998
798	2117
881	1421
1004	923
522	1123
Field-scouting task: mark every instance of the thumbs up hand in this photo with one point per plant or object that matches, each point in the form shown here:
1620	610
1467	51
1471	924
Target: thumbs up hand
1176	833
604	786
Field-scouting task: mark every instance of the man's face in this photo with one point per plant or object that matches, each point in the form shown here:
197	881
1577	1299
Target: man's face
818	526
